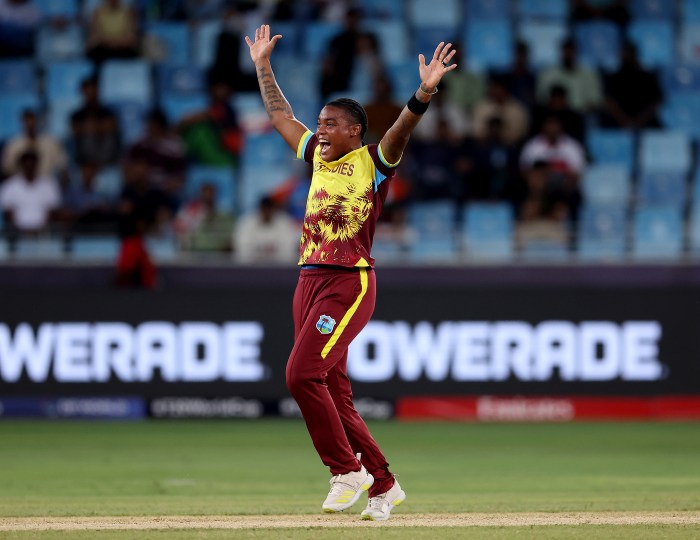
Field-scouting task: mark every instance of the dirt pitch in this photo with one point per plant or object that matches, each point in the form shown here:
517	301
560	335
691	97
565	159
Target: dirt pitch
346	520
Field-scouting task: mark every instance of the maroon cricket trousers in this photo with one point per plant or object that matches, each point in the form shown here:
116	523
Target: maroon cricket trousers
331	306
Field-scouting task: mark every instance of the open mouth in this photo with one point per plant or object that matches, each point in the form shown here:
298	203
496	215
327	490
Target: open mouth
325	145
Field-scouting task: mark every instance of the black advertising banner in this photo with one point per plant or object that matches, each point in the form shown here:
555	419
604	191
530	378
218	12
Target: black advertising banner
452	340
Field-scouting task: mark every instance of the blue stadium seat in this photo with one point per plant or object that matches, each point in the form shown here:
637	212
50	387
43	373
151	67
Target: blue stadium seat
177	107
132	119
204	39
694	232
94	248
689	43
170	42
606	185
394	40
662	189
545	9
653	9
257	182
180	80
63	79
598	44
431	13
58	8
488	231
434	227
11	108
611	147
383	9
681	77
109	182
690	10
665	151
17	78
489	44
222	177
681	112
428	38
291	37
57	44
316	38
161	249
655	42
488	9
543	39
263	150
39	249
544	250
59	112
404	78
126	81
602	233
658	234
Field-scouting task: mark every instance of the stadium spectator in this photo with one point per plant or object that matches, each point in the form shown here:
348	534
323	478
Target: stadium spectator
442	109
499	102
112	31
632	94
213	136
612	10
466	87
561	159
53	160
582	83
494	165
382	111
84	206
291	195
267	235
345	51
19	20
200	226
94	129
165	152
519	77
558	104
29	201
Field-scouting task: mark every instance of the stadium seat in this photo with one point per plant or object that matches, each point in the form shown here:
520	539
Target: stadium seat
662	189
59	113
383	9
404	78
394	40
291	36
690	10
263	150
126	81
62	79
653	9
488	231
665	151
543	9
606	185
384	250
689	41
177	107
222	177
543	39
432	13
109	182
655	42
57	44
694	233
17	78
39	249
433	224
602	233
204	40
180	80
488	9
681	112
695	190
544	251
598	44
58	8
316	38
256	183
427	39
94	248
161	249
168	43
611	147
681	77
11	108
658	234
132	119
489	44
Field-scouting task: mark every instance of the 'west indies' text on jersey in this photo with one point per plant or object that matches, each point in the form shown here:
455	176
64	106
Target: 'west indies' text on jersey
345	199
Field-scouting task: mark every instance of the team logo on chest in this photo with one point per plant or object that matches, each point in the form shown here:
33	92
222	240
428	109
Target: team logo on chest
325	324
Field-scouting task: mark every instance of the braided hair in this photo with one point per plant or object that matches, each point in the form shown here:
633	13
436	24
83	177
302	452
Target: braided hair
355	110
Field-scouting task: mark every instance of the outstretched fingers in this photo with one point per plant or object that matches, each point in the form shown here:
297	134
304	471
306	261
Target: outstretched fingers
436	54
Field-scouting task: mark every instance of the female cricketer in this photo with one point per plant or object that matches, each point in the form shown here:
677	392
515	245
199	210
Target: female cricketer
335	295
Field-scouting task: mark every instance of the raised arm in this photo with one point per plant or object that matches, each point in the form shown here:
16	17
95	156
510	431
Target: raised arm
394	141
276	105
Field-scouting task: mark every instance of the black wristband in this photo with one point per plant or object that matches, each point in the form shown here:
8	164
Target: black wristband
417	107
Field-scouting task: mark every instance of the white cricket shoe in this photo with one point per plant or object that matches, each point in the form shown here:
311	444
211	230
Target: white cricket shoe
379	508
346	489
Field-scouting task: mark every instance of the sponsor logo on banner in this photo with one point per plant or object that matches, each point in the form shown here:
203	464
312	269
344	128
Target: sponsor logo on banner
185	407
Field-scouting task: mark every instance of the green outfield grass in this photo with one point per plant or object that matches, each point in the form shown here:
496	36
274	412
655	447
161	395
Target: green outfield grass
270	467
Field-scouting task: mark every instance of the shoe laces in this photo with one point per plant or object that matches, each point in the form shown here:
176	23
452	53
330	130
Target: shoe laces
377	503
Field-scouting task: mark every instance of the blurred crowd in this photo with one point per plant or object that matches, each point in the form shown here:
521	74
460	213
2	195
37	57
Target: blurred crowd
514	135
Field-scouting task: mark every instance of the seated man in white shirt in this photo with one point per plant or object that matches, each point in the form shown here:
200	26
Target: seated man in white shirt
28	199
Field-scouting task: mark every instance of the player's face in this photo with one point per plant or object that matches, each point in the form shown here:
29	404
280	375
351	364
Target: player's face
336	133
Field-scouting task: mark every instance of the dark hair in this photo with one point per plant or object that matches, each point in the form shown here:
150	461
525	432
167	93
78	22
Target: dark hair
354	109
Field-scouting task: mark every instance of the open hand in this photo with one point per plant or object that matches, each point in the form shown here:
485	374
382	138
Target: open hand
432	73
262	47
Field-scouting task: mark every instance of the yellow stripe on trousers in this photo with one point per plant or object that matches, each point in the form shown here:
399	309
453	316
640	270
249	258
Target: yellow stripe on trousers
348	315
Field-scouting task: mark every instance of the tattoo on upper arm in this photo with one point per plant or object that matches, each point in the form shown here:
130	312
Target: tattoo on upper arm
272	96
